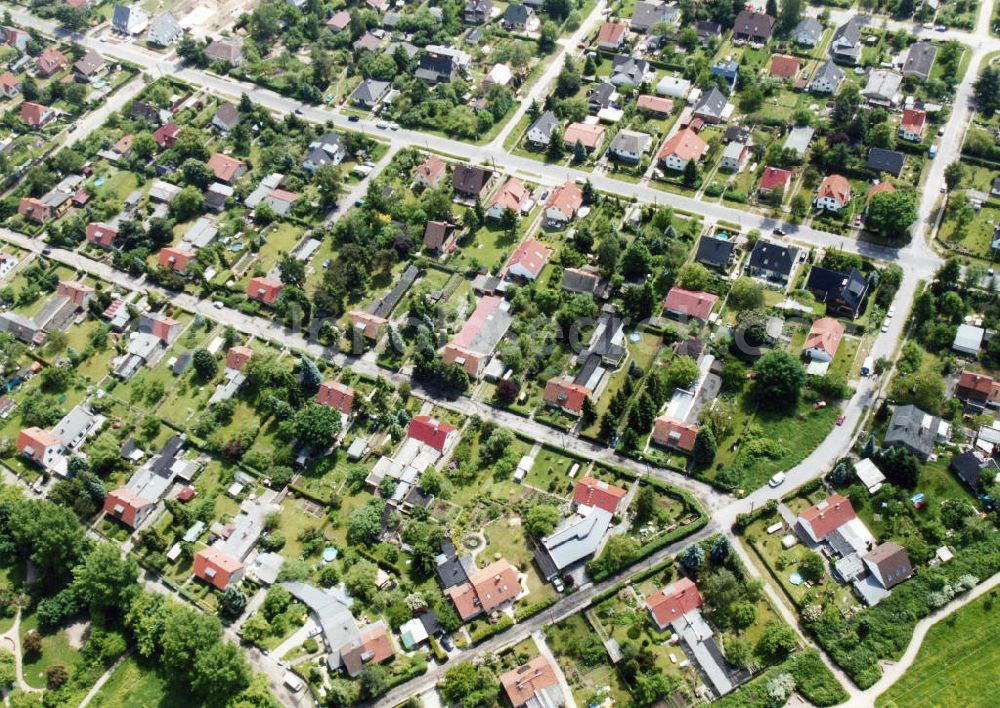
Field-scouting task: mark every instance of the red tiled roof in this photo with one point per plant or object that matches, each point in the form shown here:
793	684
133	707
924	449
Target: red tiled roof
175	258
511	196
690	302
35	441
567	198
336	395
827	516
784	66
685	144
32	113
264	289
124	505
674	433
775	178
837	187
165	134
562	392
101	234
913	120
486	589
674	601
225	167
531	255
238	356
596	493
590	135
885	186
521	684
215	567
825	335
611	33
430	431
657	104
431	169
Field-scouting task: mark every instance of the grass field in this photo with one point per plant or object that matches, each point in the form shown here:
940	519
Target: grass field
139	687
957	665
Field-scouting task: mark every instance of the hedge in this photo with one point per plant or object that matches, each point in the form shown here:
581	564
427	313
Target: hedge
813	681
523	612
485	631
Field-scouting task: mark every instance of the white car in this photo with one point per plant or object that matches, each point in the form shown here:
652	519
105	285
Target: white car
885	327
891	312
777	479
217	304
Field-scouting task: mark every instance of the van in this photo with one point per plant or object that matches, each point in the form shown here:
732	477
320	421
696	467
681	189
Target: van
292	682
868	366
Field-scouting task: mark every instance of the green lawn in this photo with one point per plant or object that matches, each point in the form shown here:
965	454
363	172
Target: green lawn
958	663
55	650
138	686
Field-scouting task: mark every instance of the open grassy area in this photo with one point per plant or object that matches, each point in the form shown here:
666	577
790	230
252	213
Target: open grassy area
55	651
958	663
133	684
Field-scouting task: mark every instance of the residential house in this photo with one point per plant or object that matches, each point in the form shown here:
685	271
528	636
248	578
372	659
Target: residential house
798	139
49	62
440	237
885	186
784	66
581	280
238	357
164	30
611	36
369	93
968	339
129	19
435	68
542	129
486	590
590	135
655	106
432	432
326	150
978	390
889	161
34	210
130	509
476	12
675	434
627	70
728	70
90	66
221	564
972	466
707	31
772	261
889	564
647	14
225	50
773	179
517	16
823	339
689	304
281	201
574	541
562	393
598	494
834	193
912	125
825	517
10	85
470	182
513	196
217	195
916	431
265	290
563	204
673	87
629	146
100	234
527	260
35	115
734	157
845	47
673	602
534	685
472	346
843	293
807	32
226	169
713	107
883	88
920	60
339	21
166	329
602	97
715	253
827	78
429	173
369	42
226	117
41	447
751	26
147	112
680	148
16	38
336	395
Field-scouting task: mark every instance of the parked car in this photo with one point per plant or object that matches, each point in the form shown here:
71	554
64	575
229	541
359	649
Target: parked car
776	480
841	419
353	118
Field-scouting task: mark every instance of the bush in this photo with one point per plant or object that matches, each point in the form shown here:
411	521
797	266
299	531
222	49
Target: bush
486	630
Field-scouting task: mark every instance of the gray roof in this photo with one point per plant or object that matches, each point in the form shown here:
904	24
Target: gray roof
333	612
799	138
628	68
517	14
882	160
968	337
830	72
75	425
631	141
647	14
546	123
882	84
808	31
913	429
577	280
848	34
370	91
712	103
165	28
579	539
247	528
920	59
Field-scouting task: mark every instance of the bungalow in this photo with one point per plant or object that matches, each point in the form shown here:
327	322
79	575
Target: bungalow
581	280
440	237
914	430
371	326
528	260
845	47
680	148
587	134
827	78
486	590
533	684
807	32
715	252
471	183
472	346
823	339
753	27
611	36
148	113
238	357
673	87
601	97
49	62
429	173
574	541
912	125
920	60
336	395
629	146
100	234
843	293
689	304
784	66
226	169
265	290
888	161
834	193
339	21
655	106
883	88
968	339
226	51
885	186
674	434
226	117
563	204
35	115
972	465
513	196
369	42
772	261
728	70
562	393
542	129
773	178
10	85
369	93
432	432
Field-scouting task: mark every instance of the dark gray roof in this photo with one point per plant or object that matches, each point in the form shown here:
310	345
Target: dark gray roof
849	287
383	306
882	160
546	123
647	14
912	429
754	24
601	96
470	180
370	91
712	104
829	71
634	69
714	251
808	31
848	34
970	465
920	59
773	257
517	14
706	29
